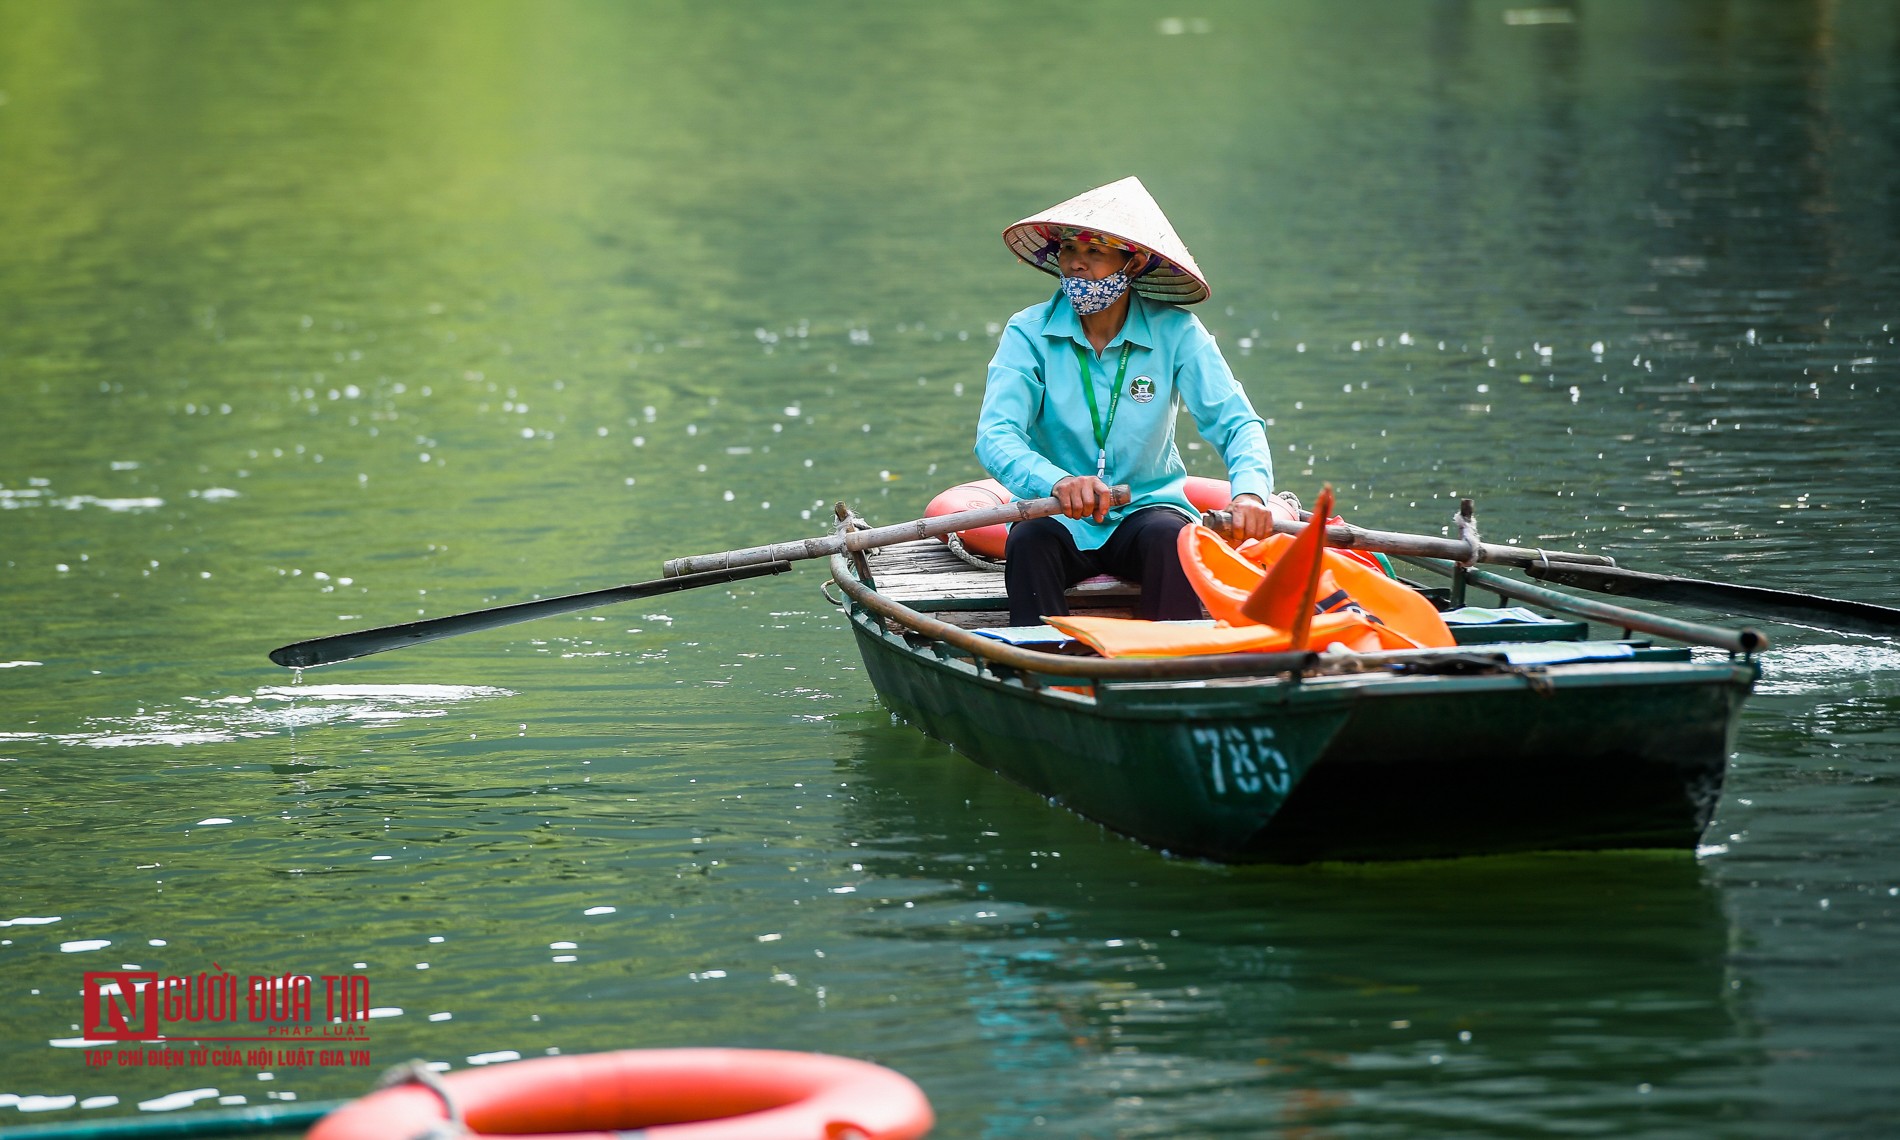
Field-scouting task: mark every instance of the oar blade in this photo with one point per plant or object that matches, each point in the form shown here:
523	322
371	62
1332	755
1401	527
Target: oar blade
1786	606
362	643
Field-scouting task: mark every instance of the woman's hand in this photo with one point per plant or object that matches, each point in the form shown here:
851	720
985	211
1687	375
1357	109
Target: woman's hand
1084	495
1251	519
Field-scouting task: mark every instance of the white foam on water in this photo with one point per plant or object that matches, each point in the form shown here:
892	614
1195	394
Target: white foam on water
176	737
75	502
1809	668
384	692
268	712
171	1102
495	1057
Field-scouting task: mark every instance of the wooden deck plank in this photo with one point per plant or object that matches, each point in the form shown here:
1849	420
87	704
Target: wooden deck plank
924	572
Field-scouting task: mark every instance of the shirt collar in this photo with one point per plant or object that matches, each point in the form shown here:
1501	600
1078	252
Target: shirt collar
1063	322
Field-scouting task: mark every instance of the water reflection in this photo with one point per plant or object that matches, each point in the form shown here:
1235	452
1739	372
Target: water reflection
1180	995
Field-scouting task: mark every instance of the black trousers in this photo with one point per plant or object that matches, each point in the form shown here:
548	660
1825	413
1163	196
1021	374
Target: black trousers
1044	561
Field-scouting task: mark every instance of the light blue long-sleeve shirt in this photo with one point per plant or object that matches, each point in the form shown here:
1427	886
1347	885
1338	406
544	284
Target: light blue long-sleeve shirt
1035	429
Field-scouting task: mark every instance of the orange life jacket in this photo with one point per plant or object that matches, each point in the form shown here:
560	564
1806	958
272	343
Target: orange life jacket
1225	578
1130	637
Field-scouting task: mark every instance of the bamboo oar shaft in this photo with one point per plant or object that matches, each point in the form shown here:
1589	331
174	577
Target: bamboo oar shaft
1349	537
1689	632
1789	606
1021	510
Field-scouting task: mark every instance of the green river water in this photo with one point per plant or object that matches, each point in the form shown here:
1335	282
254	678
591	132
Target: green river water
323	315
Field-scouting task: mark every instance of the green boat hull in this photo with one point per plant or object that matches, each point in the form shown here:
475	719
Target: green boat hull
1623	754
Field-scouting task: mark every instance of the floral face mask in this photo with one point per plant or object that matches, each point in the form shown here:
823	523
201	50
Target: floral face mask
1093	296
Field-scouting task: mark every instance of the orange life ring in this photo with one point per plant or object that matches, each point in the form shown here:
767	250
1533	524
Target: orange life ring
1218	495
673	1094
1209	494
989	541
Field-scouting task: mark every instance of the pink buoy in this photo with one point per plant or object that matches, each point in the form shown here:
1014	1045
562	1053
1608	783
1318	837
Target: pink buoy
975	495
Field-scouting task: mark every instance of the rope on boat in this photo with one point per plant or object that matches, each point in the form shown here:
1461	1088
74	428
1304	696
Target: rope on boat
419	1073
1468	532
994	565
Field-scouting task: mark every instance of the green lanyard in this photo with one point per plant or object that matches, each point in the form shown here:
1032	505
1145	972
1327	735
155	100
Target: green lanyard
1114	398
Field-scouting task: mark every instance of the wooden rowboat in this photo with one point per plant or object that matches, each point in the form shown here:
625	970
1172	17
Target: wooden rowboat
1528	736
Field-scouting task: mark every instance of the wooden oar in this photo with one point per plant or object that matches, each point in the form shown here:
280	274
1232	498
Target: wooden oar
681	574
1786	606
363	642
1019	511
1348	537
1688	632
1602	575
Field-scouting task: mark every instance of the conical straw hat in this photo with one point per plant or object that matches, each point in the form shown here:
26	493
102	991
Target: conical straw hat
1126	214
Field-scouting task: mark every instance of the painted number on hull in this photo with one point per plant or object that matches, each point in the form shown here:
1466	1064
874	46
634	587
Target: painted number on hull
1243	759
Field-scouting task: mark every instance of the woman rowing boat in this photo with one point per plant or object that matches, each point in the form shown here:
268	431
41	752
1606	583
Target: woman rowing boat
1082	394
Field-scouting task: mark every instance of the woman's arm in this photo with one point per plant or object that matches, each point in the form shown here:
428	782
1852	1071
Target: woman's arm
1012	401
1226	419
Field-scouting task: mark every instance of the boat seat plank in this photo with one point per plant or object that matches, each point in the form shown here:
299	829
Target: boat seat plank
925	576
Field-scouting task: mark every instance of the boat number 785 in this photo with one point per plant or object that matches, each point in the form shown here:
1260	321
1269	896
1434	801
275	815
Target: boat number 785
1243	758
